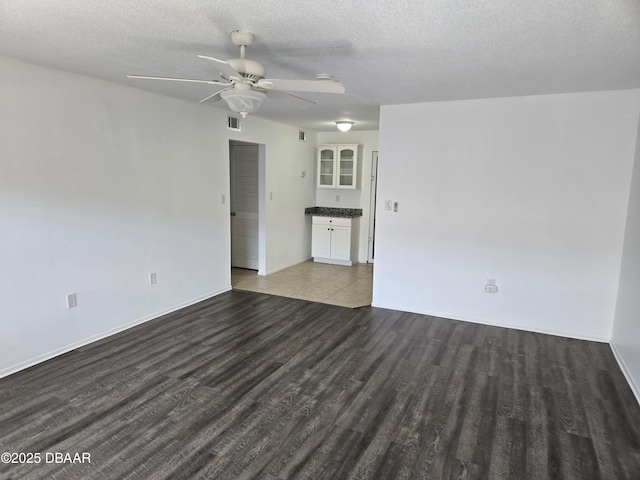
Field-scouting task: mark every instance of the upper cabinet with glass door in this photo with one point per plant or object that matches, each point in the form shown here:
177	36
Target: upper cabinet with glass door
337	166
326	167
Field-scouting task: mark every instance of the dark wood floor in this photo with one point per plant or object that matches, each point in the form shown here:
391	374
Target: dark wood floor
247	385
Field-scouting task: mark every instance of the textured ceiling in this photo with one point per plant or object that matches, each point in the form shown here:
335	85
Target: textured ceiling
385	52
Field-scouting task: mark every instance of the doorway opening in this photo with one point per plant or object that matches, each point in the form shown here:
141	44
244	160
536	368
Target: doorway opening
246	172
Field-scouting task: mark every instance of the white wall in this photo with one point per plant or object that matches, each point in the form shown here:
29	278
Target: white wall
531	191
626	327
358	198
288	234
101	184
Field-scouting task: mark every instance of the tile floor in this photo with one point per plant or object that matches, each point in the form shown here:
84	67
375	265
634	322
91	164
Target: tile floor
318	282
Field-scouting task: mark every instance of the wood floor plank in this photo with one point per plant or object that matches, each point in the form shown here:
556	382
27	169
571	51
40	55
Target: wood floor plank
477	398
487	434
252	386
537	435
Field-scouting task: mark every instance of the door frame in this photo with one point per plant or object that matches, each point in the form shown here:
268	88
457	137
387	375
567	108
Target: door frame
372	207
262	209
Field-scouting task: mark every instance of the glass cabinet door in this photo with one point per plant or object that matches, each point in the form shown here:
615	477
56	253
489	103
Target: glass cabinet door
346	169
326	167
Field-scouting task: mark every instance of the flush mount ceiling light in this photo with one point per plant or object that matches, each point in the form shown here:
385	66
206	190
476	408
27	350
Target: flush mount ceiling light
243	101
344	125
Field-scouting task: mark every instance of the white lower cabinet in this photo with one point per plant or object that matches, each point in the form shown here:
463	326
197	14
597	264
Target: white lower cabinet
332	240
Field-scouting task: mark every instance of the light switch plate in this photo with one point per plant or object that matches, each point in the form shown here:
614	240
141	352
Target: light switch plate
72	300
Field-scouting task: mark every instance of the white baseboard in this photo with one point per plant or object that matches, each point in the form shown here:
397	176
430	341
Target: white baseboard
345	263
86	341
625	371
297	262
483	321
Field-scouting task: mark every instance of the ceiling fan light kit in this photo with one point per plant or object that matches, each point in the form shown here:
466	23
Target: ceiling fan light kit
344	125
243	101
245	82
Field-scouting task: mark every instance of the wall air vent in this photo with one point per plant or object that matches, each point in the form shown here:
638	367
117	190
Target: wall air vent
233	123
302	136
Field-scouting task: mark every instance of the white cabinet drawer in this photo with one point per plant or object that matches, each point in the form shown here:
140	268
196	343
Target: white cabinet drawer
335	221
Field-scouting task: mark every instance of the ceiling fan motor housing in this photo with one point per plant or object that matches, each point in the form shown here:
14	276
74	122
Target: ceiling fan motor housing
250	69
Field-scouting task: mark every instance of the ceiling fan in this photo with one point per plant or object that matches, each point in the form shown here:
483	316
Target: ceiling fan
245	82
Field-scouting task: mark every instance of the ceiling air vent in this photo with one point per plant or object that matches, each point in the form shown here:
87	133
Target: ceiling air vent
233	123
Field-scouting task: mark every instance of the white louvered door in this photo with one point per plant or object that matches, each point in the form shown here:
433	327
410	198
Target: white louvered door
244	206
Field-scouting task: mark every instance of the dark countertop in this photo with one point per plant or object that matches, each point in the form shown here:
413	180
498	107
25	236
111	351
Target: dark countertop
333	212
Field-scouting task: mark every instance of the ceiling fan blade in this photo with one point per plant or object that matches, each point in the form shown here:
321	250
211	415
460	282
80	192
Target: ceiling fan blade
213	96
224	68
320	86
290	99
173	79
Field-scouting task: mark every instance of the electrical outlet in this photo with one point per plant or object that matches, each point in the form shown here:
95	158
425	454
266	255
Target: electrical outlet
491	288
72	300
337	198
